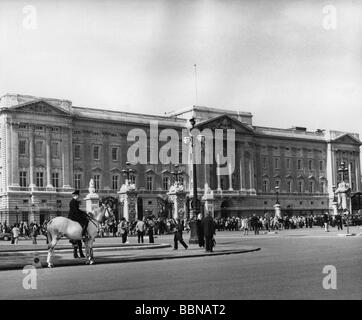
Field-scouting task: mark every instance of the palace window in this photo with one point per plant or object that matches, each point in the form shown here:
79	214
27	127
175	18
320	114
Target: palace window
96	152
310	164
149	183
276	163
165	183
311	187
265	163
77	181
55	179
289	186
300	186
77	151
321	165
38	148
97	179
322	186
265	186
22	147
114	154
132	179
288	163
115	183
299	164
22	179
40	179
55	149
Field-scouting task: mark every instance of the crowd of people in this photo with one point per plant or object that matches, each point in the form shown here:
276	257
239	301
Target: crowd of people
22	229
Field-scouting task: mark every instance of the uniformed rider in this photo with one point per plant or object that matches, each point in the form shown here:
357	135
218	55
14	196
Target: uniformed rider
76	214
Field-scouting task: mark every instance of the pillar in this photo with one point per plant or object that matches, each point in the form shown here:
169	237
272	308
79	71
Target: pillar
128	199
31	157
67	153
15	155
242	186
177	196
230	178
92	198
48	160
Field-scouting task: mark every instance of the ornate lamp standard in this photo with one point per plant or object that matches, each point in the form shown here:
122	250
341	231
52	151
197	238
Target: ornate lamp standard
343	190
277	194
128	172
195	203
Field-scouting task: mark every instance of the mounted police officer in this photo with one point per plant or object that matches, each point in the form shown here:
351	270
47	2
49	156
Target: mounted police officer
76	214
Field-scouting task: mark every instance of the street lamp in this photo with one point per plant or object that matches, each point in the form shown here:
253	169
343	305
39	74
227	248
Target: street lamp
277	194
342	169
195	209
128	171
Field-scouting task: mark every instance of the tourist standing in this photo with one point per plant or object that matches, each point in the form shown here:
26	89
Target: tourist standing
140	229
178	235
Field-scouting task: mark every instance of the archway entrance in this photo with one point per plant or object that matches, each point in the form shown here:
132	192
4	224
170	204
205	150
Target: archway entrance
225	207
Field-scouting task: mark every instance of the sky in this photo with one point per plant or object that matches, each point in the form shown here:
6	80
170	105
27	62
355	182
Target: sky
288	62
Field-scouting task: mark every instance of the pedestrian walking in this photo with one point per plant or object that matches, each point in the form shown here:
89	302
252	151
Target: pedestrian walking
35	230
209	232
123	229
15	232
325	221
200	230
178	235
339	222
150	229
140	229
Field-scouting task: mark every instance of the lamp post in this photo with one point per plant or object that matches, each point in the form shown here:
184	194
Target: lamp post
277	194
128	172
342	169
195	208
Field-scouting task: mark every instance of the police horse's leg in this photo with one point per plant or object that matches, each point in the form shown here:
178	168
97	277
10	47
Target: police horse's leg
89	250
53	239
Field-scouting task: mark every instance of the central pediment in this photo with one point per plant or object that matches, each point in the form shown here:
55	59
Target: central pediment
40	107
225	122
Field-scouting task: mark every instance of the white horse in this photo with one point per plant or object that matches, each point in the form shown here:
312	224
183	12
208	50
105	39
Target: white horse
61	226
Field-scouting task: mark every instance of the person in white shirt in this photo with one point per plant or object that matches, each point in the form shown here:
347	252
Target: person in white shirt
140	229
15	231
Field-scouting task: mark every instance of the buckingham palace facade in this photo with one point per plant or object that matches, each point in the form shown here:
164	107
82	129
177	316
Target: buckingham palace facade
49	147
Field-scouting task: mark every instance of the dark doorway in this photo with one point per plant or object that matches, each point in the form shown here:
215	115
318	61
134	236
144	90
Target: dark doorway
225	208
139	208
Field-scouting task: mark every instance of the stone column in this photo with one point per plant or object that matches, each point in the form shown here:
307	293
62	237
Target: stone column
177	196
357	172
48	160
218	174
242	162
251	170
331	170
208	198
128	199
9	154
230	178
31	157
92	198
67	151
15	155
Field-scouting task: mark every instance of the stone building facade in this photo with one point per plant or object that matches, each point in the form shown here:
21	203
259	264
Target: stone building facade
49	147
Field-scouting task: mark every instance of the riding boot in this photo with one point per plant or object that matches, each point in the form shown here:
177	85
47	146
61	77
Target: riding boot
81	253
75	253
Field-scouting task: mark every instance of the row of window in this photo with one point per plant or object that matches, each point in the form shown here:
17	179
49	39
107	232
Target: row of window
166	182
96	152
289	186
288	164
39	148
39	179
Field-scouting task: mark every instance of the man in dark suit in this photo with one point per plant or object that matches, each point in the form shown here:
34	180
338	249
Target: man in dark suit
209	231
178	235
76	214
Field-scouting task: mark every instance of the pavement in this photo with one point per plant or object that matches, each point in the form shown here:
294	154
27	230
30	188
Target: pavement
106	250
110	250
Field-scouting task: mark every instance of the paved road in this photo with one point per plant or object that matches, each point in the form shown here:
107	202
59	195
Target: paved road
289	266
